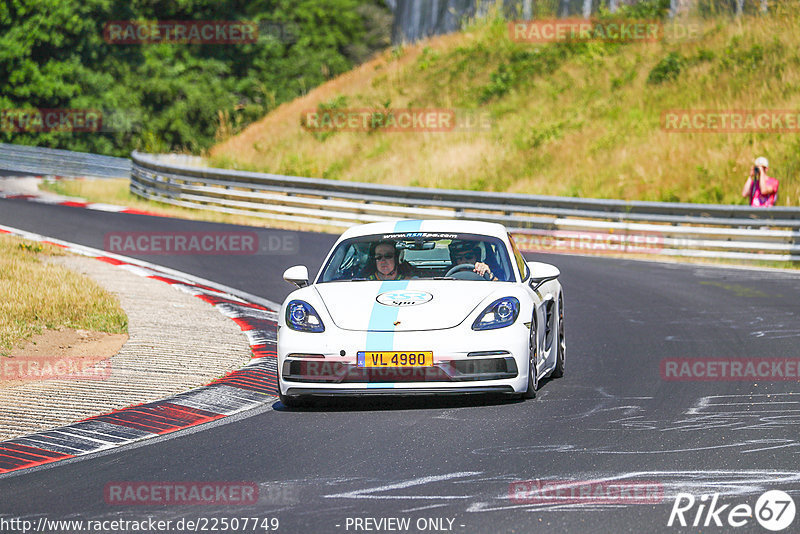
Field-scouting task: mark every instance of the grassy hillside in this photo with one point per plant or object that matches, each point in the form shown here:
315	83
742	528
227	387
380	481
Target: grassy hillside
574	119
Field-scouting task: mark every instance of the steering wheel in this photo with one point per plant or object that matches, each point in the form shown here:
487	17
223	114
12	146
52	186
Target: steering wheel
467	267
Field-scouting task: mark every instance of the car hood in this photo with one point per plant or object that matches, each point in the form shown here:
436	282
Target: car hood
403	305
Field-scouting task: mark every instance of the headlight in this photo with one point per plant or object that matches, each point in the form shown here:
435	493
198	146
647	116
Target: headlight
303	317
500	313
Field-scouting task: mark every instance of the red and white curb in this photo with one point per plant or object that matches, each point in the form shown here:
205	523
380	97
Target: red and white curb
249	387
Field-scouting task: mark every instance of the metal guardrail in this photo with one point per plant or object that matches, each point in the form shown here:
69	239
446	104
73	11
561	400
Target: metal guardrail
544	223
540	223
52	162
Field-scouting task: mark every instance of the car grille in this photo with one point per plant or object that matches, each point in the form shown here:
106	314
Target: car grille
320	371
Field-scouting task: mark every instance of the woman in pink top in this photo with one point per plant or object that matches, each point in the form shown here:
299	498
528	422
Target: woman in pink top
762	190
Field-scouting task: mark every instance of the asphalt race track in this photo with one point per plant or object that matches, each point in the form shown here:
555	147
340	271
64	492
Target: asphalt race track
447	465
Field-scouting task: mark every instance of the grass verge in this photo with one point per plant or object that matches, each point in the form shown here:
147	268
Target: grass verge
35	295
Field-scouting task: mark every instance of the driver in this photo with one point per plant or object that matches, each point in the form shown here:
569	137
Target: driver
469	252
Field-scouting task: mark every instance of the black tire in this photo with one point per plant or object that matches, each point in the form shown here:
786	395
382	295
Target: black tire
558	371
533	353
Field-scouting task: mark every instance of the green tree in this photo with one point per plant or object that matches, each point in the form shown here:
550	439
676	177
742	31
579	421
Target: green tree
53	56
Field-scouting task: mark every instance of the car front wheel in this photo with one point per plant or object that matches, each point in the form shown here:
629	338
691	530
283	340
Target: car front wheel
558	371
533	356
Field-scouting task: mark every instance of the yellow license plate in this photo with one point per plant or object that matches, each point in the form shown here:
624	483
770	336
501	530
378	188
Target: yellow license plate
395	359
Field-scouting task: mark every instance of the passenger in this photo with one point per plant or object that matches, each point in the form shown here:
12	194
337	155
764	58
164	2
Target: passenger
469	252
385	263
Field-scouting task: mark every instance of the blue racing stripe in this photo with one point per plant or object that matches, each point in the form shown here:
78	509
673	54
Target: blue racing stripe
407	226
381	321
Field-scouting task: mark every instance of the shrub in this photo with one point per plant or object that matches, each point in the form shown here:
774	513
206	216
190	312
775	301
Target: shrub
667	69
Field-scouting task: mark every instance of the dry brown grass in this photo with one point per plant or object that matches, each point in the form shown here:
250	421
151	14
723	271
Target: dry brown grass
35	295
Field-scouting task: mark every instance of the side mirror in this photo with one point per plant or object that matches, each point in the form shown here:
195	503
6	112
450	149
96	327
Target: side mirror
541	273
297	275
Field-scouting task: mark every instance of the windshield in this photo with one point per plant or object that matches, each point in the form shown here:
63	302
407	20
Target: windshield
419	256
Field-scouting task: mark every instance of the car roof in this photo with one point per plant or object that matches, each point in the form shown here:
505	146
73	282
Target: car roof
433	225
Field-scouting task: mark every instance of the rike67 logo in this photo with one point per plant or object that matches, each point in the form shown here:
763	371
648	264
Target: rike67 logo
774	510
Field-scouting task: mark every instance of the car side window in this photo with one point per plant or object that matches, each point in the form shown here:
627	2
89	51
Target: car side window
521	263
498	261
346	263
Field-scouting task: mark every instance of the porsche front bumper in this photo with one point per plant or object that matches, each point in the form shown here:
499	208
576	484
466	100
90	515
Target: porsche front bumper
464	362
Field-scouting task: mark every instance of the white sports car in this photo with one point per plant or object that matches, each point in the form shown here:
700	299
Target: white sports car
421	307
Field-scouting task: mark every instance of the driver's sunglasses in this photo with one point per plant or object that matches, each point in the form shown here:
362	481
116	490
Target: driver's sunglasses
378	257
467	256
